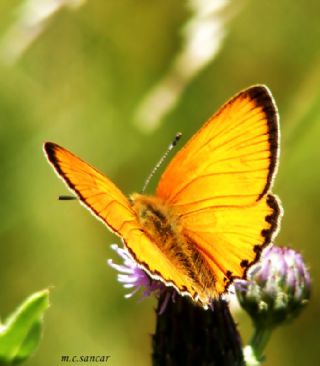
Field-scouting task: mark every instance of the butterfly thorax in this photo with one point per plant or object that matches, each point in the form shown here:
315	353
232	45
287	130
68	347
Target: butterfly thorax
156	219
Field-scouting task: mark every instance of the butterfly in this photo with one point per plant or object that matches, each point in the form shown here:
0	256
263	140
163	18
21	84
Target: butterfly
212	213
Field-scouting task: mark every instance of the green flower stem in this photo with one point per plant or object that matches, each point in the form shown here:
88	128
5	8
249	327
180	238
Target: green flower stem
259	341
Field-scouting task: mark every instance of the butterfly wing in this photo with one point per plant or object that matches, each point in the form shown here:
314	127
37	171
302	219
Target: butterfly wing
96	191
231	238
218	183
107	203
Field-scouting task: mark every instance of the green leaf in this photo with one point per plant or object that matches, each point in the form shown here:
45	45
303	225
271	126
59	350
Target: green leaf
21	332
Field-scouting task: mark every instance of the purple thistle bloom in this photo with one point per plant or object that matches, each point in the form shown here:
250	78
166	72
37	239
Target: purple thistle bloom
135	278
277	287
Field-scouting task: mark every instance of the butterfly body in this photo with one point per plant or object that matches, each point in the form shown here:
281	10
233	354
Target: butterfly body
212	213
162	226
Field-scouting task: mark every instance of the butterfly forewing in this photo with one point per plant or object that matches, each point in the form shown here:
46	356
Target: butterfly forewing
230	160
95	190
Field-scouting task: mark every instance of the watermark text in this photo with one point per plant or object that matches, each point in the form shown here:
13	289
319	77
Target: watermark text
84	358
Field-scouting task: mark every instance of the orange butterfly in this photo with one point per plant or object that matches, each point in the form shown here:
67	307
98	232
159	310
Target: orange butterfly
212	213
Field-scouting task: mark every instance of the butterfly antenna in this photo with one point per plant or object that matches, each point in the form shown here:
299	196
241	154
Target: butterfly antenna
163	158
67	198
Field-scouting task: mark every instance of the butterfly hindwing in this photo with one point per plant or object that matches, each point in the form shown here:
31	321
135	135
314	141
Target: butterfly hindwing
232	238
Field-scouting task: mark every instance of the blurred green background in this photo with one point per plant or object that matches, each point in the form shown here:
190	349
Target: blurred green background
79	83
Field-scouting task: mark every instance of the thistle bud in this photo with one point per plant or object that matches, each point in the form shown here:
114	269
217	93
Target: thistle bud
276	289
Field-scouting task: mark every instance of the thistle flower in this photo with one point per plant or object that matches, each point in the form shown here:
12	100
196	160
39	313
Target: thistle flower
276	290
135	278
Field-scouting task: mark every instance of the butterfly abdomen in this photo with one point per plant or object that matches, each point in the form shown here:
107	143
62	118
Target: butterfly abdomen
164	230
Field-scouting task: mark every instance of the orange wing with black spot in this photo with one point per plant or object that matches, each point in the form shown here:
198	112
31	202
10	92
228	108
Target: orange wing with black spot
218	184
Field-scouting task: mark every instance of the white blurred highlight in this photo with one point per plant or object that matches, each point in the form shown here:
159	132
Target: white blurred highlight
232	300
202	40
32	18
